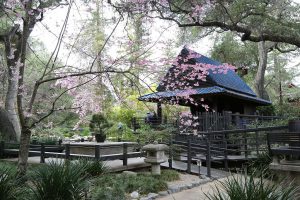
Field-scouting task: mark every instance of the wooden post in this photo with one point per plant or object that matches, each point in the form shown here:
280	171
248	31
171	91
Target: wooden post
134	124
245	144
237	120
170	152
42	160
97	152
208	156
189	156
159	112
225	152
67	152
256	143
2	149
125	157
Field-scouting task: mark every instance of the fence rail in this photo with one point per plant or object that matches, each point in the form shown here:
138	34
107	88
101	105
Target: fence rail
48	151
223	146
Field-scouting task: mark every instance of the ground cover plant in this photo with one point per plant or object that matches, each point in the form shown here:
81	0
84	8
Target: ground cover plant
116	186
77	180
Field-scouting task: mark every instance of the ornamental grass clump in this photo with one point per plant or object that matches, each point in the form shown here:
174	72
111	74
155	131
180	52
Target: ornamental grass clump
93	167
11	187
249	188
58	181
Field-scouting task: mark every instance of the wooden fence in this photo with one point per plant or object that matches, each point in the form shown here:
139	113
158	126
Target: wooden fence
223	146
52	151
207	147
208	121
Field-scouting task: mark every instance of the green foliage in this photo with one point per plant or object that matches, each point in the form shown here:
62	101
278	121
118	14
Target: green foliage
121	114
11	186
160	134
44	139
169	175
249	188
93	167
124	133
99	123
128	183
114	192
266	110
58	181
260	166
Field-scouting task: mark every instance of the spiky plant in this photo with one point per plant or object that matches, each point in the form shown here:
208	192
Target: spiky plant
249	188
59	181
93	167
11	187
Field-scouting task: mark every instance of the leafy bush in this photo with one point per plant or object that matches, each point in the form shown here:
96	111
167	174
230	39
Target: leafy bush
58	181
125	134
248	188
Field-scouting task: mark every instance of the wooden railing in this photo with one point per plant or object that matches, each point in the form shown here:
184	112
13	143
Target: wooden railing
223	146
208	121
46	151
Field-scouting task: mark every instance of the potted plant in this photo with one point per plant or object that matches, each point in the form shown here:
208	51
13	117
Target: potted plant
98	124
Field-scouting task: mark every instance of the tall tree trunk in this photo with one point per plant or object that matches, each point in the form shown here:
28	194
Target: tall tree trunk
24	150
260	75
12	57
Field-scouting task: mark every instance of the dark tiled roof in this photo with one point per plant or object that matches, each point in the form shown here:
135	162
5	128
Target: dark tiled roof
229	80
229	83
158	96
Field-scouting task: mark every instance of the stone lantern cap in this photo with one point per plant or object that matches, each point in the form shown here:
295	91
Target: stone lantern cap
155	147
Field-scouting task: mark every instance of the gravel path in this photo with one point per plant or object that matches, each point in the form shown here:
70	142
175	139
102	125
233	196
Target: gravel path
196	193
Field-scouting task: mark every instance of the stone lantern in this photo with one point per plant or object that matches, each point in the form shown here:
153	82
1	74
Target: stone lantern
155	156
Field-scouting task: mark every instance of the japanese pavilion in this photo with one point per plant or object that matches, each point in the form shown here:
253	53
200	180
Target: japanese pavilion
222	90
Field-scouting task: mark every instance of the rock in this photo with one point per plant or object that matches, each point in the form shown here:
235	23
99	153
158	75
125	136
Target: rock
189	186
152	196
163	193
174	188
134	195
131	173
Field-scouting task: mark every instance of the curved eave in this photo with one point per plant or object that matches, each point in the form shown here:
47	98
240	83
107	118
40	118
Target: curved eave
201	92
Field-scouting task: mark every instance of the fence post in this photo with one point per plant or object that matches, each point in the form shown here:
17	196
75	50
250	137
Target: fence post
2	149
125	157
134	124
67	152
208	156
189	156
237	120
170	152
256	143
97	152
225	152
245	144
42	160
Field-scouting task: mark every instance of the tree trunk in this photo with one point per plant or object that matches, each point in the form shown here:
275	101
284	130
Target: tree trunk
260	75
11	99
12	54
24	150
